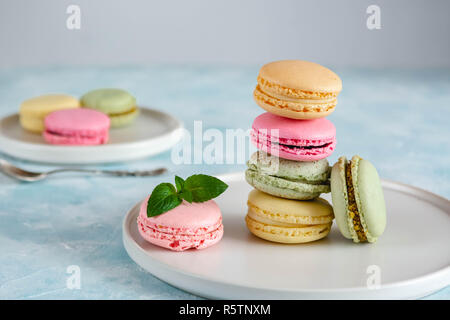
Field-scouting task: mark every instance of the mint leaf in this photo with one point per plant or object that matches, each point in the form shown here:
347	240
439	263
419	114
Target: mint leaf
186	195
196	188
179	182
163	198
204	187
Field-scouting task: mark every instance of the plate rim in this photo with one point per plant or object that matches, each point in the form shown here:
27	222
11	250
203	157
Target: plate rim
175	134
440	274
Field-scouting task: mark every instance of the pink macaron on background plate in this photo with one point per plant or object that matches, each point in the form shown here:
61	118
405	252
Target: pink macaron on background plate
76	127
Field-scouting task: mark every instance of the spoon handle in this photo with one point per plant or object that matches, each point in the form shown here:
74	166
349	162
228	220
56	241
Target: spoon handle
118	173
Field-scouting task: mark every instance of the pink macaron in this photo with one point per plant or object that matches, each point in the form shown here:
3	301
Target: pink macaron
189	225
299	140
76	127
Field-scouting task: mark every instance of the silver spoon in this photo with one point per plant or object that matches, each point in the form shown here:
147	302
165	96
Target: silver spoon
24	175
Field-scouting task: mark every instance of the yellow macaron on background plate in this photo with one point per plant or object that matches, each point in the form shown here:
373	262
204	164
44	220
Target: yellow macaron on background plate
33	111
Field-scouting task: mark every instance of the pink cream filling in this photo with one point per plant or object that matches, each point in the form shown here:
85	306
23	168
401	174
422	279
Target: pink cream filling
71	134
292	146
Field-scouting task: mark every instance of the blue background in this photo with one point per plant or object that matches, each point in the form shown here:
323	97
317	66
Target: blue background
396	118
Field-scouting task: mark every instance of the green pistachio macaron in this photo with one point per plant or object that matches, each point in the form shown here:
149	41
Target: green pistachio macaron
286	178
118	104
358	200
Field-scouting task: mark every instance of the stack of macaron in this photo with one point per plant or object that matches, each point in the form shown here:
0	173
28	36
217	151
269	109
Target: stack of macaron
290	170
65	120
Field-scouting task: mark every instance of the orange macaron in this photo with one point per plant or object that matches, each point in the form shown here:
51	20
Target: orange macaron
297	89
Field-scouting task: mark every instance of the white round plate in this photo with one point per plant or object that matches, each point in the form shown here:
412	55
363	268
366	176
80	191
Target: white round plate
411	259
153	132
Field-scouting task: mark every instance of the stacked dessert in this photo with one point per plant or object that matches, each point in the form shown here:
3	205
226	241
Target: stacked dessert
290	170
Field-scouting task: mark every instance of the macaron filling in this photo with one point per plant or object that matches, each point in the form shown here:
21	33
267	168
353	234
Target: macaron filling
311	172
134	109
269	87
76	139
300	105
352	206
290	146
87	135
266	143
290	231
289	218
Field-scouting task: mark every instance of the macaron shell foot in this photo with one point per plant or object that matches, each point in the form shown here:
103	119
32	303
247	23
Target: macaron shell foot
285	188
124	120
76	139
317	211
297	154
179	242
312	172
288	235
291	113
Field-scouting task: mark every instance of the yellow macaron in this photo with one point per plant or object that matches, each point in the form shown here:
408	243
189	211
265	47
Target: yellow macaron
33	111
288	221
297	89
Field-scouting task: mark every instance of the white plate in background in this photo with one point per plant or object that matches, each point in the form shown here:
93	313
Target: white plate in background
411	259
153	132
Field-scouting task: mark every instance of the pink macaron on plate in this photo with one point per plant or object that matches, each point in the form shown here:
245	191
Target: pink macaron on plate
190	225
299	140
76	127
242	266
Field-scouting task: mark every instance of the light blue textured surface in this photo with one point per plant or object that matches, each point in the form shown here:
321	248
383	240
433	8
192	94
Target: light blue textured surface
397	119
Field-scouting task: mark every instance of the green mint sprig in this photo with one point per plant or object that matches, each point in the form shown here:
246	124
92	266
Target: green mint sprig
196	188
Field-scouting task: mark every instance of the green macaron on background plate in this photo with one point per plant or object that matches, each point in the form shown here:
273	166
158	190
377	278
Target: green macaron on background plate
118	104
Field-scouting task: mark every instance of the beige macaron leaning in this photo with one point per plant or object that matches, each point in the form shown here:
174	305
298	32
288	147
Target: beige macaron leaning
297	89
34	110
288	221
